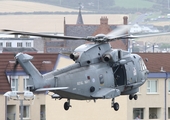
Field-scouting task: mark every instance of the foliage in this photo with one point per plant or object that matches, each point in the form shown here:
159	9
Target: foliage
134	4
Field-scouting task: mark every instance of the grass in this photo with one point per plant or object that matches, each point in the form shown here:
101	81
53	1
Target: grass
133	3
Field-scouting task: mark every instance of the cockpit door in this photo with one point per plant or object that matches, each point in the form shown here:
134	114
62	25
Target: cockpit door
119	75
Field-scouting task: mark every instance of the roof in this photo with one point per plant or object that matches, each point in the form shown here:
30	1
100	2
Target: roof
157	61
84	30
90	30
119	44
42	61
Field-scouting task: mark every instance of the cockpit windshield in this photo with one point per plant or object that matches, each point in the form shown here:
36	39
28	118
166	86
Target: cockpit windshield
142	64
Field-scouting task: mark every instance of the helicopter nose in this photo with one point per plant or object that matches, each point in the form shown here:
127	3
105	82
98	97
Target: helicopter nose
147	71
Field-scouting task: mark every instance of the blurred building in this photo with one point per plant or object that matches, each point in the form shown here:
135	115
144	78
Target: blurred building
83	30
15	44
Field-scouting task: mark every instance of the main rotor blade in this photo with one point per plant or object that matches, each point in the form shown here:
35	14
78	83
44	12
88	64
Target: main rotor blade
147	35
119	31
42	35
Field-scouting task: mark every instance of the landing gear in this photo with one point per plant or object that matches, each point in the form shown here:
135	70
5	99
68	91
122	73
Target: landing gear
115	105
67	105
133	96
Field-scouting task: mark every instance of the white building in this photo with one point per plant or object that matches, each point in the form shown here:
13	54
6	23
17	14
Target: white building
136	28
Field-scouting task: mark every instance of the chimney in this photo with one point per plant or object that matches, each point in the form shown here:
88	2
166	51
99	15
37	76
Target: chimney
125	20
104	20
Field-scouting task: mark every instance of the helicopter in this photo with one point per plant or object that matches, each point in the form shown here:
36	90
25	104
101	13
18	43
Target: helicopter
99	71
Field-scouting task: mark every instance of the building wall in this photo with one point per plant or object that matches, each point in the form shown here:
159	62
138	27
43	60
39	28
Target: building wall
3	107
34	107
149	101
34	110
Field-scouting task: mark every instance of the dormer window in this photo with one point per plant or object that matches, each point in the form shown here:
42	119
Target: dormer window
19	44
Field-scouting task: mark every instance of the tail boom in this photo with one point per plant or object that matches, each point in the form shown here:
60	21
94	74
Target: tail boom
35	77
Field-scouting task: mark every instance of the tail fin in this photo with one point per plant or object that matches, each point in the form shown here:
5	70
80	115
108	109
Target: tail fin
36	78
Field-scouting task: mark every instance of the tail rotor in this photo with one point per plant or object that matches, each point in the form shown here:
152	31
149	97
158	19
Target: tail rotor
15	64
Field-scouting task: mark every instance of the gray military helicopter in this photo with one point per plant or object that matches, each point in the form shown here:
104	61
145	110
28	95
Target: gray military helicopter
99	71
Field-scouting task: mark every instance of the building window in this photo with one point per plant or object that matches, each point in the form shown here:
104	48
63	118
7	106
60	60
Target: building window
28	44
11	112
8	44
138	113
152	86
168	85
42	112
14	83
25	82
154	113
1	44
19	44
26	111
168	113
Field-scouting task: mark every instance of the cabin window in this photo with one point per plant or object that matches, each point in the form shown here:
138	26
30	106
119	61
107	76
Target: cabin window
152	86
101	78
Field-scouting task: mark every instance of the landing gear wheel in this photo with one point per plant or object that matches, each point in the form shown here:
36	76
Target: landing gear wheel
135	97
66	105
130	97
116	106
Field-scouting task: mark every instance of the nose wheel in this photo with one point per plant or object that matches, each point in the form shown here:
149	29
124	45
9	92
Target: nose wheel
67	105
115	105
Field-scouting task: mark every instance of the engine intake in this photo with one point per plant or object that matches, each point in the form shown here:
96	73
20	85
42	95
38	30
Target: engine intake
74	56
111	56
107	58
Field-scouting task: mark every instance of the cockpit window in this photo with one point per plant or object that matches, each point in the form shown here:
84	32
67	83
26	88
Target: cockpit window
142	65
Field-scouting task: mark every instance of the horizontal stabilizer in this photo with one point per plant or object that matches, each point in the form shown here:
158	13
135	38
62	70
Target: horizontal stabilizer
51	89
106	93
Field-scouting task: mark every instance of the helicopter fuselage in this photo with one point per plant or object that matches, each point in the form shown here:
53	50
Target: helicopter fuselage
91	73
